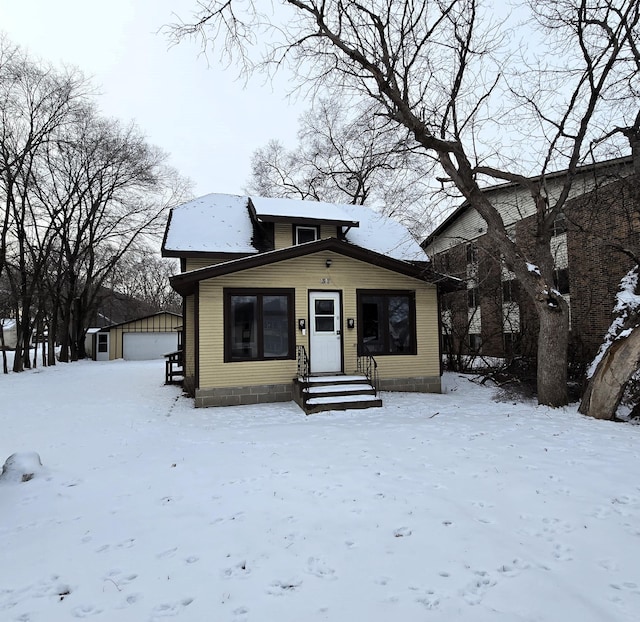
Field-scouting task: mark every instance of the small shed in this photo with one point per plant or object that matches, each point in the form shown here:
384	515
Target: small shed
145	338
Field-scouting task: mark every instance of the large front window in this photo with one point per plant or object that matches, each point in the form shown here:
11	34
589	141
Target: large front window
258	324
386	322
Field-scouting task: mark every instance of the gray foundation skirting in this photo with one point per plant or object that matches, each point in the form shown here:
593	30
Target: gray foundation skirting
261	394
237	396
419	384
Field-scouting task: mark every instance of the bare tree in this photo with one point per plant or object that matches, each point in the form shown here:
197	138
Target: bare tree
105	189
344	156
143	275
35	102
469	97
78	192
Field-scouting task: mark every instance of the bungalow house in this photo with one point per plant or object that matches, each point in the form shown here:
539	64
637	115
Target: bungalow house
287	299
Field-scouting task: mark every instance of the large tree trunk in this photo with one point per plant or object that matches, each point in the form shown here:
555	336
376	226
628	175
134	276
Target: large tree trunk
553	343
607	385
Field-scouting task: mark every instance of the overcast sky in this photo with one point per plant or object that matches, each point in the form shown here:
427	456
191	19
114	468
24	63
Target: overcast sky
193	109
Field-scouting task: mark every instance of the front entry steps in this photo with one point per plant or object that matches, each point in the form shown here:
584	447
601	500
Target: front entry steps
322	393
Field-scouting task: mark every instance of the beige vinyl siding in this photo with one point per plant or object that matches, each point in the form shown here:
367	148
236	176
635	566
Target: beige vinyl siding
328	231
189	336
283	234
305	274
161	323
195	263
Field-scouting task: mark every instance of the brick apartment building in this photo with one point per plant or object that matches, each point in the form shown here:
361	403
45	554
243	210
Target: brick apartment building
493	317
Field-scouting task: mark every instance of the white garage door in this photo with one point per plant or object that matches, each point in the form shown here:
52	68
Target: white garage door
145	346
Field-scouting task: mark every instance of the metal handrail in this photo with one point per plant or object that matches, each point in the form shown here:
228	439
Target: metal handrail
368	366
303	363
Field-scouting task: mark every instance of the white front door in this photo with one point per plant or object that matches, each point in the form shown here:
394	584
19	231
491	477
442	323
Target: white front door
325	341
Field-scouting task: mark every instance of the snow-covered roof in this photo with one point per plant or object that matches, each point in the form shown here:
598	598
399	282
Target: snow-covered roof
214	223
382	234
221	223
275	208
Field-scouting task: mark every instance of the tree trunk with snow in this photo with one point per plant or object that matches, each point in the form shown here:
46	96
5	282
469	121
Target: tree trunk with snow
619	355
607	385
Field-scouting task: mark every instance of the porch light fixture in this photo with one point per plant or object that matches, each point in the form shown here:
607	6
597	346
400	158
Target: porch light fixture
351	323
328	263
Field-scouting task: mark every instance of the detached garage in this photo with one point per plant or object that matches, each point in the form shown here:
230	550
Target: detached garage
144	338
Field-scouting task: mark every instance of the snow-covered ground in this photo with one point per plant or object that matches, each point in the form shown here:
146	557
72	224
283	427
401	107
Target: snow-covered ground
447	507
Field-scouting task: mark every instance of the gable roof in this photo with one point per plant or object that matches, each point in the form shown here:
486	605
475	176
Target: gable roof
614	163
299	212
137	319
223	224
214	223
186	282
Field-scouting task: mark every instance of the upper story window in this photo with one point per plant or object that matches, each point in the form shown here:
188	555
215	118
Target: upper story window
472	254
305	233
559	225
561	280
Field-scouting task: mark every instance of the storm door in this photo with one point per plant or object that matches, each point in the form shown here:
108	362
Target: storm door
325	340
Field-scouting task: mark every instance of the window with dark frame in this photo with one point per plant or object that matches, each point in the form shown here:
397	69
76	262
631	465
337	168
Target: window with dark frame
472	254
559	225
473	299
259	324
475	342
561	280
508	291
387	322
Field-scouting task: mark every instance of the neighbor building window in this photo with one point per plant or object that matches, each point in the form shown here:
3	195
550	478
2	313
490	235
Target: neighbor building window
475	342
561	280
387	322
259	324
508	291
303	234
473	297
472	254
559	225
103	342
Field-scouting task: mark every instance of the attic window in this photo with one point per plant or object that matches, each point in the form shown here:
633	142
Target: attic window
303	234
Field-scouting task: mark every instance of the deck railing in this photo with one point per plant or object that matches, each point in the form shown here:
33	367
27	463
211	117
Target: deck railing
368	366
303	363
174	367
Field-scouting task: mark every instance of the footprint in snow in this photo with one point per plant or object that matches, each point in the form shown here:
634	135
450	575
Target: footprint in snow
85	611
513	568
240	569
279	587
319	568
562	553
402	532
430	600
166	610
475	591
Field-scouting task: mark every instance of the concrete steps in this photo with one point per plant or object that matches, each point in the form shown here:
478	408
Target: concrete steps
322	393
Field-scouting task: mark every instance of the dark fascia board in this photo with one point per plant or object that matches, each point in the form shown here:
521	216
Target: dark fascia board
207	255
298	220
137	319
185	283
164	237
511	184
